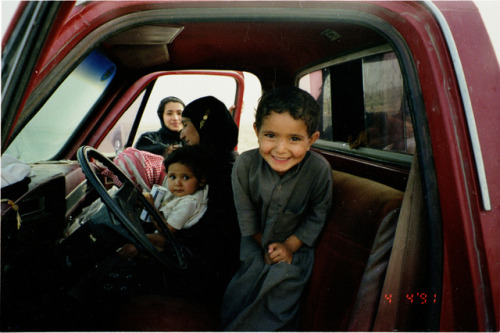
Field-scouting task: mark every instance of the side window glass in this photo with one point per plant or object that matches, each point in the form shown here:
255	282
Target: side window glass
387	117
363	105
50	129
116	139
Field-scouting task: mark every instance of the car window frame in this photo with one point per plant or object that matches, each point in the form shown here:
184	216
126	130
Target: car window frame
30	34
423	147
146	84
389	157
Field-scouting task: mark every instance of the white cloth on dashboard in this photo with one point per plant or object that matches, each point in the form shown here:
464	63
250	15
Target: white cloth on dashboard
13	170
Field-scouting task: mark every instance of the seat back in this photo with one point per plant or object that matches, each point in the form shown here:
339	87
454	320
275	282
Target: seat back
408	267
359	207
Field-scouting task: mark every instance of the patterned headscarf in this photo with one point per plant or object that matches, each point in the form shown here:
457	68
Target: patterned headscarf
143	168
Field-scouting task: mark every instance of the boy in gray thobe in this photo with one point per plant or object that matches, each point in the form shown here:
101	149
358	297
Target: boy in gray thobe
282	194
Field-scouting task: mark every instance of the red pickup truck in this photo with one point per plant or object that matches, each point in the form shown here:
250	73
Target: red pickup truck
409	94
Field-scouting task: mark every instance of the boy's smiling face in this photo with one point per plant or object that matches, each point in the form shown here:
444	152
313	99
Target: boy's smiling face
283	141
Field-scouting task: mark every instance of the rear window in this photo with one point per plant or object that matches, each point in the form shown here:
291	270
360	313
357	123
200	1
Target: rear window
364	105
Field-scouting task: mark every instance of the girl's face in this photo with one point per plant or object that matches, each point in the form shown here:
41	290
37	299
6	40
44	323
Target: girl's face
172	115
283	141
181	180
189	134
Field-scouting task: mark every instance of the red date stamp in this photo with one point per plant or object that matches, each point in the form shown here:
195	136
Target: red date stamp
416	298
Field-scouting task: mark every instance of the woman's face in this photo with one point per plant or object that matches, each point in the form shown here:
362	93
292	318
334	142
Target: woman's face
189	134
172	115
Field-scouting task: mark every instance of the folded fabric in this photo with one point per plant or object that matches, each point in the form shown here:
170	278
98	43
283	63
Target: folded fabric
143	168
13	170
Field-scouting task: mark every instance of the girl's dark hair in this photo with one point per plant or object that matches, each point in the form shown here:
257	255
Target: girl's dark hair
297	102
194	157
165	101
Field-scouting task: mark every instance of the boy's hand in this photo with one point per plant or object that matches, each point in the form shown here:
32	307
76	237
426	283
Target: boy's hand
283	252
128	251
278	252
149	197
157	240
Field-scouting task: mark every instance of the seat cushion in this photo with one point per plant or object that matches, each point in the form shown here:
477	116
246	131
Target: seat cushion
359	206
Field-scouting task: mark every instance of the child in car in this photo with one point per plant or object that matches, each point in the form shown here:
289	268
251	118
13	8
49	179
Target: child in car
186	200
282	193
186	195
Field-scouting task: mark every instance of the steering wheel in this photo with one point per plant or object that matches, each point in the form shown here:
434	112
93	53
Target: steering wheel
126	208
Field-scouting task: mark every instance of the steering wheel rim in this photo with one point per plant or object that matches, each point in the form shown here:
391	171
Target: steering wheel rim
84	156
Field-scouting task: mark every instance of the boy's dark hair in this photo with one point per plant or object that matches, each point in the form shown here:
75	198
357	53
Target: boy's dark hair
297	102
194	157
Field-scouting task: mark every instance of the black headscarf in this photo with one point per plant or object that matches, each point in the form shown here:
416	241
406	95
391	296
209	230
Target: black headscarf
157	142
214	123
212	265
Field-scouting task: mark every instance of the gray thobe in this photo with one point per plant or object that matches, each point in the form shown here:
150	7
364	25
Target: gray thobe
265	297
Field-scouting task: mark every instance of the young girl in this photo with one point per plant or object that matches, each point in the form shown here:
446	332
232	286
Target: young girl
164	140
282	193
186	198
186	193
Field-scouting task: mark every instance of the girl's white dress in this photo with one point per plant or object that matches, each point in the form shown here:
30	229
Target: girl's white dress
184	212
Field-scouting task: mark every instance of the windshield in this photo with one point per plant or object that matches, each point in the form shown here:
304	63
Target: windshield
49	130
